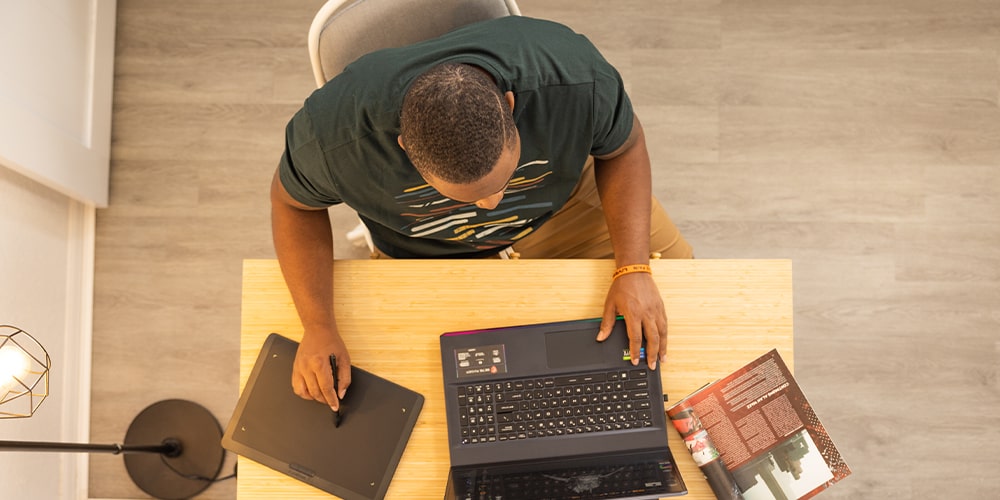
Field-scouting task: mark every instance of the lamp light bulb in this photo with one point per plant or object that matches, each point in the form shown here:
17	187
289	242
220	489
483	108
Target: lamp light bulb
14	366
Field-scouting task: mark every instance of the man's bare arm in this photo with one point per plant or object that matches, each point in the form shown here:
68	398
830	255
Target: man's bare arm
303	242
624	182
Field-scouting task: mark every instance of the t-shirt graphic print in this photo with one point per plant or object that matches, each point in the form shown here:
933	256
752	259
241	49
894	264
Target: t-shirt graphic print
432	215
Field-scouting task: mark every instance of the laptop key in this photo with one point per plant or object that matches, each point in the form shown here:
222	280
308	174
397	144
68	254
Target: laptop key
637	384
506	407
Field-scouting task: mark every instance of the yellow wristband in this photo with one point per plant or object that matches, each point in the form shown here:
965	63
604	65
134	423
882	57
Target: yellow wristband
632	268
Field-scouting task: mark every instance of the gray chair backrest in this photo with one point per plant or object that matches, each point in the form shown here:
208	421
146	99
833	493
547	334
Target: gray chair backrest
345	30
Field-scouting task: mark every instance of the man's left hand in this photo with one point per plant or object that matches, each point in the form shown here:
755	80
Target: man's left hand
636	297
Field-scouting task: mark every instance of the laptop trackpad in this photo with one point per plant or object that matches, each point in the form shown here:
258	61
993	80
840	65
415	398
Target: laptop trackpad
580	348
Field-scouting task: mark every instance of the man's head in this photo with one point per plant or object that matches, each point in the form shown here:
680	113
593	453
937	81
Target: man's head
458	130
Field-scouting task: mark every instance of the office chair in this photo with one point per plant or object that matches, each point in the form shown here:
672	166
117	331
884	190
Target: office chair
344	30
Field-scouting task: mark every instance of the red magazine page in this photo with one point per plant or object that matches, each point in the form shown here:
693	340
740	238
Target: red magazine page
759	425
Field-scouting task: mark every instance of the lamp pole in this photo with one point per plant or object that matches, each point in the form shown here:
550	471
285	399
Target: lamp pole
169	447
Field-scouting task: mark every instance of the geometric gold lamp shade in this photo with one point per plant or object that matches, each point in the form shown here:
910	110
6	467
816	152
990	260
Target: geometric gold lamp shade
24	373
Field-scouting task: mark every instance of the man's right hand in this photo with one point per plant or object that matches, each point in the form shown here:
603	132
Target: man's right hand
312	376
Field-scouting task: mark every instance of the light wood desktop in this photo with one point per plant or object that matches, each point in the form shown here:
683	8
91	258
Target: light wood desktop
722	314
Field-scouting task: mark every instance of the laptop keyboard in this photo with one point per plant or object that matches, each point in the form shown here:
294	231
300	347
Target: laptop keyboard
609	481
538	408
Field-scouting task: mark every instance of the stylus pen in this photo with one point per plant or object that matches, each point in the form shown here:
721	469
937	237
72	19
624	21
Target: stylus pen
336	389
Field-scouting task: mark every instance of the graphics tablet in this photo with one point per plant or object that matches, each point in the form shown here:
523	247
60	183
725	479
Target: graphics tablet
273	426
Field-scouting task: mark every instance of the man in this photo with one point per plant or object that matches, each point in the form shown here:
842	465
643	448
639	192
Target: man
463	147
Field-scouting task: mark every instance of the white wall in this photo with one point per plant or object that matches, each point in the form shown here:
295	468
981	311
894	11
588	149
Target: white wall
46	283
56	71
57	66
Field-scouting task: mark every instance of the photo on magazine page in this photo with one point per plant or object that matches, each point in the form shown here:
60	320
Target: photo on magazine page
791	470
705	455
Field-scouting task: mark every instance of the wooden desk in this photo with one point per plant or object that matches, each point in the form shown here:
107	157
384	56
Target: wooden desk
722	314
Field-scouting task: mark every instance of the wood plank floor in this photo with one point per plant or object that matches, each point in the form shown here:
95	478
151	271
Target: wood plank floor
860	139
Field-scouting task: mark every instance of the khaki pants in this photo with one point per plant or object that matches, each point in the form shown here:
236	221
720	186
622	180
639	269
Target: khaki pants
579	231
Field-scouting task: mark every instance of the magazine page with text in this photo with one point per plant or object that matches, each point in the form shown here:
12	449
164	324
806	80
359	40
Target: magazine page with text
758	423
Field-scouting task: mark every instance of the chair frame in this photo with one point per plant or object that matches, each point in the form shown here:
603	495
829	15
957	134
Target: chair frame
323	16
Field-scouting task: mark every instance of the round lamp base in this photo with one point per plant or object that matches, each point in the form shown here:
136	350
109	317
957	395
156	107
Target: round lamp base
178	475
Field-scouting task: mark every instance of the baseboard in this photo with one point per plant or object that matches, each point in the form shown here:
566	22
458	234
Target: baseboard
81	240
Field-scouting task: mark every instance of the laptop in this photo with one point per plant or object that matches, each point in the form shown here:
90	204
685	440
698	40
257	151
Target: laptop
354	460
546	412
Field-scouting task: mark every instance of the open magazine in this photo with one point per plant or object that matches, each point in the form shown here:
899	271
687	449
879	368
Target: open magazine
754	435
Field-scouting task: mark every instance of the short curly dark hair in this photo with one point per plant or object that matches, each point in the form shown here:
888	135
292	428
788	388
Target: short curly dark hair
455	123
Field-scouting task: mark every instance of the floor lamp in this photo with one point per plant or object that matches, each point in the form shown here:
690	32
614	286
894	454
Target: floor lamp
172	449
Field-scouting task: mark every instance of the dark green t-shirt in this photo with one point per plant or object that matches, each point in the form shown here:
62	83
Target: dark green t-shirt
568	103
